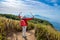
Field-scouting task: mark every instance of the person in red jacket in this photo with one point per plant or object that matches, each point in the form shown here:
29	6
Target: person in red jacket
24	24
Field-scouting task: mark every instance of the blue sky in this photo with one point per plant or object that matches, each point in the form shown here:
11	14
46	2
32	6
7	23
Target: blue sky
50	2
46	8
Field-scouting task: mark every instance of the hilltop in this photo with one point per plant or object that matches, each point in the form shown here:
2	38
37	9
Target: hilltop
43	30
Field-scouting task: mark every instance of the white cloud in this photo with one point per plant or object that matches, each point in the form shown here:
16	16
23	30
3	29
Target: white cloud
54	1
15	6
55	4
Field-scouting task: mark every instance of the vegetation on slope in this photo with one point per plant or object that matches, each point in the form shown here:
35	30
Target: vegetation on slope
7	26
46	32
43	29
35	20
10	16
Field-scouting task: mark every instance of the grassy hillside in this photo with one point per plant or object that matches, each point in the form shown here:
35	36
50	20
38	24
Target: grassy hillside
10	16
35	20
7	26
43	29
46	32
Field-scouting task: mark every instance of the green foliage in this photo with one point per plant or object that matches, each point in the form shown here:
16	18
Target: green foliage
43	32
30	26
35	20
2	31
43	29
7	26
10	16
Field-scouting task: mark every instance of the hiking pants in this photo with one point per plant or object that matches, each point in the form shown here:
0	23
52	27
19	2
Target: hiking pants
24	31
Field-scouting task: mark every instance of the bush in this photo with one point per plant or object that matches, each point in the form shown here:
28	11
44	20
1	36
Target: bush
7	26
30	26
43	32
43	29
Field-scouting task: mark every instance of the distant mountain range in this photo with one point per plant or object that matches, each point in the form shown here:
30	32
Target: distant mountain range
41	17
55	24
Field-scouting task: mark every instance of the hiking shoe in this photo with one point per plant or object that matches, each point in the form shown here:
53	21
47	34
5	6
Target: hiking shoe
24	36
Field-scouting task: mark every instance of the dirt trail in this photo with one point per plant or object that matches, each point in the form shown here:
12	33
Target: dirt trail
18	36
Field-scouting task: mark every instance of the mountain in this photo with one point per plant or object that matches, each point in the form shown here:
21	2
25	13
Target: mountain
41	17
10	16
54	23
43	29
15	17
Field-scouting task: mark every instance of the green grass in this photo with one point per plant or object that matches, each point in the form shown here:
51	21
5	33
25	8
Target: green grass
43	29
8	26
46	32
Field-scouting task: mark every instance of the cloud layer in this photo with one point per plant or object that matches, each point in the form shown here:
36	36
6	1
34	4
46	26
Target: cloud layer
36	7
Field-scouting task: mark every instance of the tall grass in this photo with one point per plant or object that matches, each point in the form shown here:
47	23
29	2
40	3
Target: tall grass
8	26
43	30
46	32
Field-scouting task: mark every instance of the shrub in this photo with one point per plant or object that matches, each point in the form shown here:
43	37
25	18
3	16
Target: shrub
43	32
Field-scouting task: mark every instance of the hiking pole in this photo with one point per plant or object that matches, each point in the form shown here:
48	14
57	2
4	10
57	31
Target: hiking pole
19	15
33	19
32	15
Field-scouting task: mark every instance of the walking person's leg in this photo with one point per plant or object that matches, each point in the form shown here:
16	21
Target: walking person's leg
24	31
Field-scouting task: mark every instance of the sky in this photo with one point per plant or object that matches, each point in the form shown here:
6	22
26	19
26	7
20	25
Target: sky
45	8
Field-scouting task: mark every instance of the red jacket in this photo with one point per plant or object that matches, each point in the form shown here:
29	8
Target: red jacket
23	22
